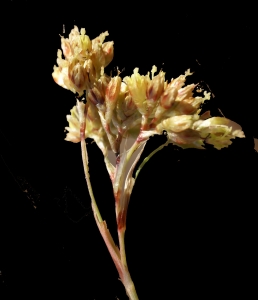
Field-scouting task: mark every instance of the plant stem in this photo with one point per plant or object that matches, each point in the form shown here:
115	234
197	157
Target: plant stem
119	257
87	176
131	151
127	280
121	237
146	159
112	248
130	288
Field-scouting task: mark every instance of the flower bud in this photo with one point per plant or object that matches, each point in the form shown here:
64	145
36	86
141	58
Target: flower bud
88	65
125	105
137	86
104	79
185	108
186	92
211	123
177	123
108	49
66	47
168	97
78	76
98	59
186	139
95	96
111	96
113	89
128	106
155	87
98	55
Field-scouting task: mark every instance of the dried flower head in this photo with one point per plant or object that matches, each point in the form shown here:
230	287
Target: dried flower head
136	104
83	60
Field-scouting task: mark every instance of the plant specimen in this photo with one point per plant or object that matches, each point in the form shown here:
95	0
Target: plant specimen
111	110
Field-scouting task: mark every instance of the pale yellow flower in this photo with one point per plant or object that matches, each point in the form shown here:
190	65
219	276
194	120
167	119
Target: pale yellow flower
217	132
137	86
78	45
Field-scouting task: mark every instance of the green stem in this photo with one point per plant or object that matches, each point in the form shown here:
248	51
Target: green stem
146	159
131	151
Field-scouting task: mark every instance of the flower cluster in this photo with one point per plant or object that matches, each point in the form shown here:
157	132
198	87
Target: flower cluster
137	105
84	60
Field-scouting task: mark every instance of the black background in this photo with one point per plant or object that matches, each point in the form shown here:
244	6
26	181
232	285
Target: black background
191	226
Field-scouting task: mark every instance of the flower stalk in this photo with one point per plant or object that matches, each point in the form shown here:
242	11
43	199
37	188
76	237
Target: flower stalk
118	255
